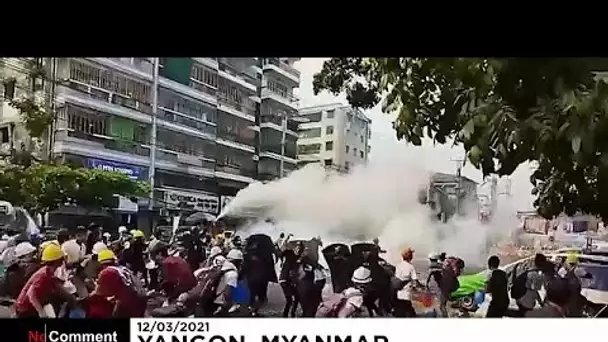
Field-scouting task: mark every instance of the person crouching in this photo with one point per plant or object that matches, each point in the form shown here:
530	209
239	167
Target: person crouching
43	287
119	283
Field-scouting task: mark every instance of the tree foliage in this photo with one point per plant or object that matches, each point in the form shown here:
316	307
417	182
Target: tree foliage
44	187
503	111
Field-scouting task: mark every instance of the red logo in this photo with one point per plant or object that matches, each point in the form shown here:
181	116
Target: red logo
36	336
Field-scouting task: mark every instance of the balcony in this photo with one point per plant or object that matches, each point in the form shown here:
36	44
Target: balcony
236	108
290	149
233	74
276	123
235	170
285	99
283	71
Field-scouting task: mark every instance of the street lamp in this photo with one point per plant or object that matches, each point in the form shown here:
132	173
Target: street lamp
285	118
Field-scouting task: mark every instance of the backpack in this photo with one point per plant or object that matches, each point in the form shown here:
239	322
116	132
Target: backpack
518	288
331	306
208	282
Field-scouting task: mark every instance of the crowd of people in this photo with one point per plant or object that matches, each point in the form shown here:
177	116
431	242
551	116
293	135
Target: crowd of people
92	274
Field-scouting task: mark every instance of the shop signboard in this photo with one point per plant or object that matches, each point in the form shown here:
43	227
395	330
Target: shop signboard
196	201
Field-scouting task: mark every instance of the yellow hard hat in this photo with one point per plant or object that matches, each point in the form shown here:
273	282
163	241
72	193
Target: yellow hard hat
48	243
52	252
572	258
137	234
105	256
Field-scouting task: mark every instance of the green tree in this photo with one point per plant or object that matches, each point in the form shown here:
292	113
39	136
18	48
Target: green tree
44	187
503	111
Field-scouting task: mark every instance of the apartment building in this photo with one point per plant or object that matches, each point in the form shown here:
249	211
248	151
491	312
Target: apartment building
335	135
216	122
278	132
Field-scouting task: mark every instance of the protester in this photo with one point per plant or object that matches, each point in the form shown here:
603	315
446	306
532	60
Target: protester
223	303
119	283
572	274
532	282
406	273
177	275
39	291
556	301
497	287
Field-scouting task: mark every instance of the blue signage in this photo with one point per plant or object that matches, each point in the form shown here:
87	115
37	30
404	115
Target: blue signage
134	172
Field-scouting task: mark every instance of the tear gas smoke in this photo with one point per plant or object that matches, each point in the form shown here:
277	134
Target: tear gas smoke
380	200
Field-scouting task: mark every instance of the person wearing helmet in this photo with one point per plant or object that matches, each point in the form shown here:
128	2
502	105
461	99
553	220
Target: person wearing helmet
228	282
119	283
177	275
40	289
91	264
213	253
361	281
408	279
17	273
573	274
133	255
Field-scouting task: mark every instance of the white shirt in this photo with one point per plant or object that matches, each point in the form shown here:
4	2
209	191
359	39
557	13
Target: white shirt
229	278
406	272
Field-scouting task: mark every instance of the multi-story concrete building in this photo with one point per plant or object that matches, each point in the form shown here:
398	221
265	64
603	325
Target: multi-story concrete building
335	135
218	122
278	134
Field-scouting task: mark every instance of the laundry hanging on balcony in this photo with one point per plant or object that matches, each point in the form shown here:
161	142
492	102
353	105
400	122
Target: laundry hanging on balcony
177	69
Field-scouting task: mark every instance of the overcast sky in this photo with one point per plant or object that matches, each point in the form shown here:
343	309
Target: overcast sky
385	145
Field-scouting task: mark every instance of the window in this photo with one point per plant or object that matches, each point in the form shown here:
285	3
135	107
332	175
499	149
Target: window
330	114
329	145
346	166
347	148
329	162
329	130
204	75
110	81
362	139
4	135
309	149
85	121
355	152
361	154
9	89
310	133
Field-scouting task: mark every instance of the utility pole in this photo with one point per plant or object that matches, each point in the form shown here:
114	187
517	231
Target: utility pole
152	169
459	163
283	142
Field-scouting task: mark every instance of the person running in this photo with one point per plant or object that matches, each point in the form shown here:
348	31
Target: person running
406	273
223	303
497	287
40	290
119	283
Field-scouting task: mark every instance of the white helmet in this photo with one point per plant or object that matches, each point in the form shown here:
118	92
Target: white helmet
98	247
434	256
122	229
215	251
362	275
23	249
72	251
234	254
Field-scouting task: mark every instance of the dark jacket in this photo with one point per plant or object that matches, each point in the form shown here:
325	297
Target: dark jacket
497	287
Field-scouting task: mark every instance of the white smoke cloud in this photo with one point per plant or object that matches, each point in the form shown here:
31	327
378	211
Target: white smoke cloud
380	200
